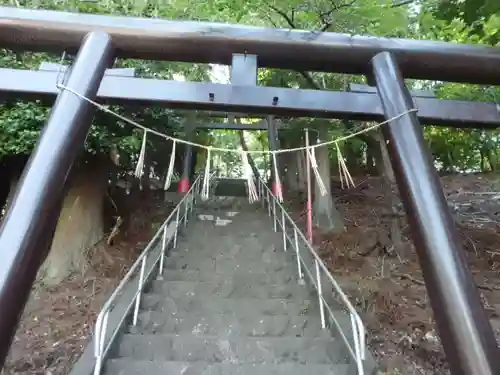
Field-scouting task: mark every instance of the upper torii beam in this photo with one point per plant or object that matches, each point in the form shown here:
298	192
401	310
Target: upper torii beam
202	42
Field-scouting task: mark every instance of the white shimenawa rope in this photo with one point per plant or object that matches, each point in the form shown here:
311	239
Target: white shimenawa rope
277	180
233	150
170	171
344	172
139	169
206	178
314	166
248	173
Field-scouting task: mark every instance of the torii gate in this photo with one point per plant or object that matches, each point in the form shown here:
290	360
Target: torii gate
26	232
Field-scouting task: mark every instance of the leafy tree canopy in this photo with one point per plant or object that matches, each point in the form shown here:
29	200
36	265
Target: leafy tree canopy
481	18
464	21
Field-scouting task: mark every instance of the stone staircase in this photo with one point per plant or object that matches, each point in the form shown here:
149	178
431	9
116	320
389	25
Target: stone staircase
229	303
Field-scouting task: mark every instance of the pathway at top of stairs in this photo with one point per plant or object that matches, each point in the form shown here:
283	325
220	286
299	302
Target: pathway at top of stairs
229	303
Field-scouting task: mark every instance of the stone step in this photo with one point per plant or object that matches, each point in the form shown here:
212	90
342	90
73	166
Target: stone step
300	350
266	251
240	307
237	276
229	289
246	231
228	265
263	258
229	325
125	366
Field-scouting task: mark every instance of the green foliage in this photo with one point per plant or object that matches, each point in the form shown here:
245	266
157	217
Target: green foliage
463	21
19	127
481	18
465	150
20	123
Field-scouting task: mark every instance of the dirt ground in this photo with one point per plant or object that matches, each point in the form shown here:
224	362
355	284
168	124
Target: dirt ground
57	322
387	287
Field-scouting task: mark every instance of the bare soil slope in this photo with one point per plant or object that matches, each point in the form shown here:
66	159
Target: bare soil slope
388	287
58	321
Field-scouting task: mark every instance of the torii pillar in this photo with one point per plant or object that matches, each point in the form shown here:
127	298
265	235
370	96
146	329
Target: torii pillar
187	162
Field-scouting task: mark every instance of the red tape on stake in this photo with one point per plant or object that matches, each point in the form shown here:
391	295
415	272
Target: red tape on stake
183	186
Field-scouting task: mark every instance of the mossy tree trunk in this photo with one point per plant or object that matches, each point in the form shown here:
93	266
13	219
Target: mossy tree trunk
326	216
80	224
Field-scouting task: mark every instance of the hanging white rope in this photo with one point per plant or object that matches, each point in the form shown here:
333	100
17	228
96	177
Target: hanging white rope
344	172
248	173
219	149
170	171
139	169
341	174
206	178
277	181
314	166
345	176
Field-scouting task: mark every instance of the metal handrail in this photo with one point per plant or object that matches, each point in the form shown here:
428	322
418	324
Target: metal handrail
358	329
101	347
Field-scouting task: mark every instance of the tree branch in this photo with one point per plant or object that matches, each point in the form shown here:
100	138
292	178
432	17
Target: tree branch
323	16
310	80
288	20
402	3
271	20
338	7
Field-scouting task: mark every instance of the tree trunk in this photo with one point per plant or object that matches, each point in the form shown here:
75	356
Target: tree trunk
283	163
325	214
14	179
11	169
266	165
146	176
80	224
391	197
291	178
371	159
244	146
4	192
483	161
384	160
301	169
352	157
492	160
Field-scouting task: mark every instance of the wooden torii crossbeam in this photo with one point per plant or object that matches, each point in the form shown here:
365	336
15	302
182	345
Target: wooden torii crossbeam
205	42
252	100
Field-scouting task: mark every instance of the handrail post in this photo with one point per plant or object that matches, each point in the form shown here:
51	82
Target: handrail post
101	337
465	331
28	227
320	295
163	250
176	225
357	344
274	214
262	196
268	199
139	290
192	200
283	227
297	254
186	211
